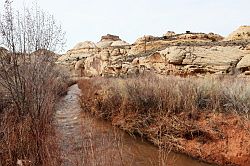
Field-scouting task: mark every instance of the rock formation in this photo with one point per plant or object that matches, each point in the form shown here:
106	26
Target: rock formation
110	37
95	57
178	54
242	33
216	59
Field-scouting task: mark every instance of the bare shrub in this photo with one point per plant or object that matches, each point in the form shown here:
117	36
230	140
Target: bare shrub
31	85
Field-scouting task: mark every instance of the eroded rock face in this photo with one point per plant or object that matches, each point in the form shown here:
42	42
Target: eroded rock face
94	58
242	33
178	54
209	59
152	43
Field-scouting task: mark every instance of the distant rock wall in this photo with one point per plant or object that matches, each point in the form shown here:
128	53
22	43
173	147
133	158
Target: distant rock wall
177	54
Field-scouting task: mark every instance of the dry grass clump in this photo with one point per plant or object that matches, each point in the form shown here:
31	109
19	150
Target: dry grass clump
167	95
168	110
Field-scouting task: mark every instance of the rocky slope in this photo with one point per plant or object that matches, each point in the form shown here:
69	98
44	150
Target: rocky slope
242	33
179	54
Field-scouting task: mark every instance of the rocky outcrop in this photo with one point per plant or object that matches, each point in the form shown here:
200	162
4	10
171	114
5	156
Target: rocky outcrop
110	37
204	59
80	51
85	45
178	54
151	43
90	59
111	41
242	33
244	64
200	36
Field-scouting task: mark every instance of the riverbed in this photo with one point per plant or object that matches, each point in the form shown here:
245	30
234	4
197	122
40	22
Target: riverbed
86	140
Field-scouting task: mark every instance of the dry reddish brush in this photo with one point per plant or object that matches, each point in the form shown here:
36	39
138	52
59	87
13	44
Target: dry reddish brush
196	116
30	86
27	116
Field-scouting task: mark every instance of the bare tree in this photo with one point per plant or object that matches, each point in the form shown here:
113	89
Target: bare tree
30	30
25	35
28	75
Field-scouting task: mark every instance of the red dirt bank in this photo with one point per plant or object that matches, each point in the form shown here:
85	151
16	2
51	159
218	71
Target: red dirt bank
227	140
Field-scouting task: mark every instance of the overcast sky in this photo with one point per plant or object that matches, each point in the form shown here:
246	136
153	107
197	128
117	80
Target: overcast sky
90	19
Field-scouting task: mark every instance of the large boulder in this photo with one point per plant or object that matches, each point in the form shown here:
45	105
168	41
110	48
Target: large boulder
244	63
173	55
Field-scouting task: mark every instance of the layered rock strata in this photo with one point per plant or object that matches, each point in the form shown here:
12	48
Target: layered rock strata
178	54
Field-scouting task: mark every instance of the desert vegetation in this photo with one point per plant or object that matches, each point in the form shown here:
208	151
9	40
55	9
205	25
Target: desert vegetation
30	85
207	118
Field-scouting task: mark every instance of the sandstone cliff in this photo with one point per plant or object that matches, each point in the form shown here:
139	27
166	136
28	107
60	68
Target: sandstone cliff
179	54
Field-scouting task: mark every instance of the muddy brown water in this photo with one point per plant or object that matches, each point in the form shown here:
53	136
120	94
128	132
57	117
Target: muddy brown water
86	140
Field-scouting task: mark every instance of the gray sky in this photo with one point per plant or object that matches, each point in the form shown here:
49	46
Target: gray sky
90	19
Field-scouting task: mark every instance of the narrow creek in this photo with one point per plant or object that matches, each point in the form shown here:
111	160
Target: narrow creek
86	140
